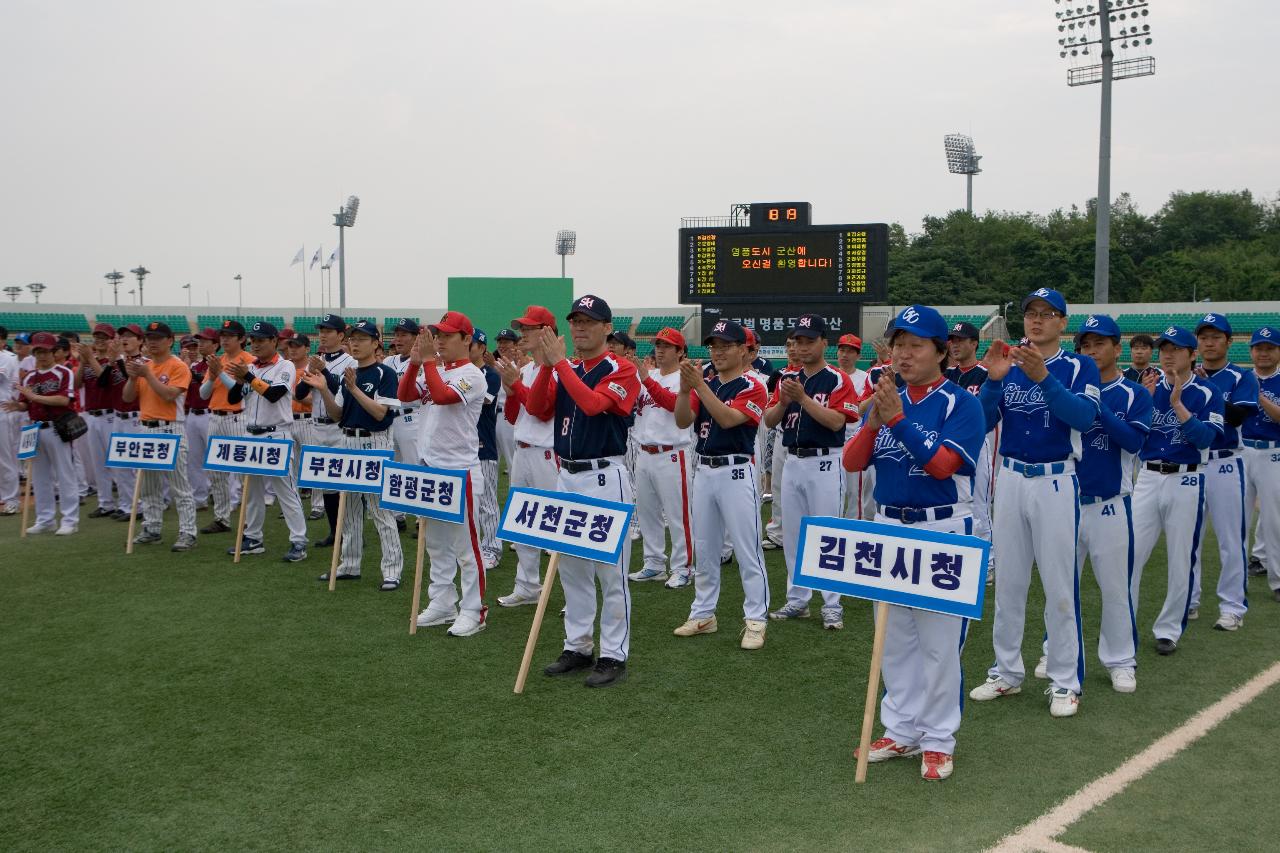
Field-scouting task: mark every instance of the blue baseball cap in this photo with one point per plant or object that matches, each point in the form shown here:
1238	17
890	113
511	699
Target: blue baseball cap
263	329
1265	335
1214	321
22	338
726	330
921	321
508	335
332	321
479	337
364	327
1053	297
407	324
1177	336
1099	324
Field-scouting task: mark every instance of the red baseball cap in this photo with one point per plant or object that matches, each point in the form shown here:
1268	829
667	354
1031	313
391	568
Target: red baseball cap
286	333
43	340
132	328
671	336
535	315
850	341
207	334
453	322
105	329
752	341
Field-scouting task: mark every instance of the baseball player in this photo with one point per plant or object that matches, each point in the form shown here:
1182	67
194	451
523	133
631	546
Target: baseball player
534	463
196	428
970	374
506	344
364	404
725	414
591	399
45	395
298	350
1169	493
1225	474
266	389
99	416
487	427
1045	399
407	427
1261	438
923	437
848	351
664	467
457	391
622	346
331	364
812	407
777	454
158	383
10	376
1141	348
125	348
225	418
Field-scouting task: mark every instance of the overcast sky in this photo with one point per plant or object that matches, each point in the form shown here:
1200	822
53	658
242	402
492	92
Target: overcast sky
206	140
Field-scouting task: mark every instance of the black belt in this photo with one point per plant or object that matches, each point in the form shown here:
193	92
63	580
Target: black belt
222	413
577	466
657	448
155	423
408	410
913	515
298	416
321	420
197	411
1171	468
98	412
1090	500
1221	454
805	452
723	461
121	414
259	430
358	433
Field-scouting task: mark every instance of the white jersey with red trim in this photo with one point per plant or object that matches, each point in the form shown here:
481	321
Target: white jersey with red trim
654	424
529	429
451	428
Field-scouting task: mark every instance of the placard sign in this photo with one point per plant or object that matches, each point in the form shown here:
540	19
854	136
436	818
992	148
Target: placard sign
439	493
339	469
925	569
566	523
151	451
263	457
28	441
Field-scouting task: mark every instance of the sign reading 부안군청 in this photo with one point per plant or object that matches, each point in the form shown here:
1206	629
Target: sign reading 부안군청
151	451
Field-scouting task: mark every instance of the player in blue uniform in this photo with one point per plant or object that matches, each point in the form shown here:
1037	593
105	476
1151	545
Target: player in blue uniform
1169	494
923	438
1225	475
591	398
1261	438
1044	398
487	426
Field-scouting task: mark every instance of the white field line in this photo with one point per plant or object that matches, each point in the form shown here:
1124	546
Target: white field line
1040	833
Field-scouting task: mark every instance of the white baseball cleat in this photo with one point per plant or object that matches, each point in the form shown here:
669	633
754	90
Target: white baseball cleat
753	633
887	748
697	626
647	574
1193	614
46	527
679	580
490	562
993	688
1042	668
1226	622
1124	679
518	598
936	766
429	619
69	529
1062	702
466	625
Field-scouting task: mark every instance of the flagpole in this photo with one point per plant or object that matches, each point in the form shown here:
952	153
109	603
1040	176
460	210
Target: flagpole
304	280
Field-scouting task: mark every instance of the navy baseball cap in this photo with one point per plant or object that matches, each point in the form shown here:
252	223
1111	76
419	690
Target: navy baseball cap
263	329
231	327
1265	335
1177	336
479	337
622	338
921	321
156	329
332	321
407	324
364	327
963	331
809	326
508	335
1214	321
1055	299
591	306
726	330
1099	324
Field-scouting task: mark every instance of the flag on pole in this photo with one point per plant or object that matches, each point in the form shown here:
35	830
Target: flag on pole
297	259
315	258
333	257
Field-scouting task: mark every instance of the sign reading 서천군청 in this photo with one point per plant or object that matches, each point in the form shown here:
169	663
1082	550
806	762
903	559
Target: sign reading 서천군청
566	523
342	470
151	451
924	569
439	493
263	457
28	442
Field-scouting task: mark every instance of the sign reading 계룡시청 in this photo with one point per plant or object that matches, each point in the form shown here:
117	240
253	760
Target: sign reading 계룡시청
263	457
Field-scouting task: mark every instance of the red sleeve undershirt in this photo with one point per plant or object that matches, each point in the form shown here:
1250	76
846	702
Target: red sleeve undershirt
516	397
542	396
661	395
592	402
857	452
407	390
441	394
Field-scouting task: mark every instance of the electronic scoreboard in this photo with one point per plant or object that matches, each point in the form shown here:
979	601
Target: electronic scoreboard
781	255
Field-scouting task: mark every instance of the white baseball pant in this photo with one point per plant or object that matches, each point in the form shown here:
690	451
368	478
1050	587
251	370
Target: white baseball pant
405	430
578	577
82	475
1037	519
662	504
9	468
984	479
197	439
454	552
286	491
773	529
506	441
1262	467
225	487
815	486
923	680
486	503
323	435
1224	507
533	468
383	519
94	445
123	477
1106	538
1173	503
53	466
153	483
726	504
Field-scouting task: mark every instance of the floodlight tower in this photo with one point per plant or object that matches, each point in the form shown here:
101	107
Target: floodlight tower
962	160
36	289
13	290
115	277
141	272
1075	23
566	244
344	219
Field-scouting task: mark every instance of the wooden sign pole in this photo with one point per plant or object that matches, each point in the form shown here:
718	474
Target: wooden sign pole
244	495
552	565
417	577
26	500
337	542
133	509
873	690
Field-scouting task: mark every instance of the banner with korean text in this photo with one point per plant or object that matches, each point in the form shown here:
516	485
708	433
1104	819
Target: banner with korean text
149	451
342	470
28	441
439	493
566	523
263	457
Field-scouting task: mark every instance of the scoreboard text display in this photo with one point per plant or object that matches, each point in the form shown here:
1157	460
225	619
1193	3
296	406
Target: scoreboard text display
789	260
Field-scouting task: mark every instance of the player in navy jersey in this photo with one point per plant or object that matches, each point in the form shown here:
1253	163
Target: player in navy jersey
590	399
969	373
1169	493
725	412
923	439
1044	398
1141	348
1225	474
1260	434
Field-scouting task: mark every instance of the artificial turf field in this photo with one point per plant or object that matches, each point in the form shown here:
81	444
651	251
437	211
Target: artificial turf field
179	702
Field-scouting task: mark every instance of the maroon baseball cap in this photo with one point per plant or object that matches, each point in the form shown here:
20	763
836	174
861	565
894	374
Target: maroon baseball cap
105	329
43	340
535	315
453	322
207	334
132	328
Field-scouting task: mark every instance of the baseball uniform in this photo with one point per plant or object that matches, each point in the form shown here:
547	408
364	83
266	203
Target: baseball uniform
53	466
663	475
533	466
1260	435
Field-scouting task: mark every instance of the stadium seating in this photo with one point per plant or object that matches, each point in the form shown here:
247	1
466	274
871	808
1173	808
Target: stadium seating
623	324
43	322
247	320
651	325
978	320
644	348
177	322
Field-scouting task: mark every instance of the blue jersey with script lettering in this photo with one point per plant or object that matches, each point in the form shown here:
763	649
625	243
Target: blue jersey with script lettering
1259	426
582	436
830	387
946	416
1031	432
379	382
746	394
1167	441
1239	387
1105	466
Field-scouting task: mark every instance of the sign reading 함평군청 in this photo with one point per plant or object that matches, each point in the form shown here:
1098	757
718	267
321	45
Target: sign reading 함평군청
152	451
264	457
28	441
566	523
924	569
341	470
439	493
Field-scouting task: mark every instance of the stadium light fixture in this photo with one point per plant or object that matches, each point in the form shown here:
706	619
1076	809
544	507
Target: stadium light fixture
566	244
115	277
13	291
141	272
345	218
36	289
1087	31
962	159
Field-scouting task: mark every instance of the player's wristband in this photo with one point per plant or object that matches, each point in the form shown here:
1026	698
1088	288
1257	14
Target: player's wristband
259	385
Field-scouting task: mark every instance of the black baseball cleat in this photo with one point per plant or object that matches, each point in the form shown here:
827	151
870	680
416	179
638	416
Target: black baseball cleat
216	526
324	578
1256	569
326	542
568	662
1166	647
100	512
607	671
120	515
400	524
1275	595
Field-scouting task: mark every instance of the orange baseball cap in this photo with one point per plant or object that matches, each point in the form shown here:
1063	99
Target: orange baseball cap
671	336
